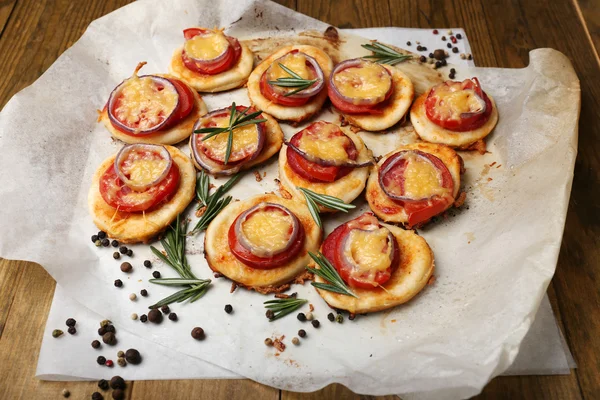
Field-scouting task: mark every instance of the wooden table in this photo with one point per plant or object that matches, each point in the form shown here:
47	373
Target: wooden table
33	33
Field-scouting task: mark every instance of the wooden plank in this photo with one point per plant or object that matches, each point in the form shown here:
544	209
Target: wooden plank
589	13
203	389
347	13
6	9
10	274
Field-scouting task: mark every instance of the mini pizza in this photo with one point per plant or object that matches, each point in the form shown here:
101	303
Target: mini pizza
457	114
251	144
290	83
140	191
326	159
262	243
158	109
210	61
370	96
414	183
383	265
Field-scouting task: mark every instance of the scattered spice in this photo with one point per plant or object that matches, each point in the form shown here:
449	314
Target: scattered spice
123	250
97	396
331	317
165	309
71	322
130	253
407	43
101	360
439	54
302	333
132	297
94	238
156	274
116	382
66	393
118	283
133	356
105	242
452	39
423	59
430	55
57	333
155	316
444	38
98	243
269	342
311	307
96	344
316	323
109	363
301	317
449	45
458	36
109	338
198	333
114	243
438	64
72	330
295	341
351	316
147	264
309	316
126	267
469	56
122	362
449	32
455	49
116	255
257	176
118	394
444	62
134	316
339	318
279	345
110	328
144	292
102	330
463	56
228	308
144	318
103	384
173	316
435	32
101	235
120	353
271	314
105	322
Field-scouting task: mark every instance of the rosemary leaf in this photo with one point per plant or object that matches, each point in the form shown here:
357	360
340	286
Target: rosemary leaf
213	202
283	307
330	274
383	54
313	199
293	81
178	281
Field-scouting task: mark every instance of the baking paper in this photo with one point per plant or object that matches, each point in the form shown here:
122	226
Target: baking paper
494	258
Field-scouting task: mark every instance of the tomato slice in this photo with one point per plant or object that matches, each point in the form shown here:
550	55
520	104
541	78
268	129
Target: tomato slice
269	93
332	250
466	121
233	54
117	195
312	171
350	108
421	210
246	257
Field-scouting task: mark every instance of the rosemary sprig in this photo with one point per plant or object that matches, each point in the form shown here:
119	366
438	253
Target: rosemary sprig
283	307
383	54
213	203
329	273
174	245
236	120
313	199
292	81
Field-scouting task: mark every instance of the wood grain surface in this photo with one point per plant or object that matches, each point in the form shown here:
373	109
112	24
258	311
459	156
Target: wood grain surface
33	33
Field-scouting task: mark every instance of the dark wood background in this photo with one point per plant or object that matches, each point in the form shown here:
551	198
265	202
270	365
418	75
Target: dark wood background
33	33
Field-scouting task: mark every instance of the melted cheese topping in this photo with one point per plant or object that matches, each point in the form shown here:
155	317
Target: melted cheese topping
143	168
422	179
325	145
452	102
143	104
294	61
207	46
244	138
364	82
268	229
369	250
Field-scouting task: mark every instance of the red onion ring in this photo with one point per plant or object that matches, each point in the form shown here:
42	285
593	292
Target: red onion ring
393	160
127	150
204	63
256	250
482	111
329	163
357	62
116	93
345	245
308	92
213	166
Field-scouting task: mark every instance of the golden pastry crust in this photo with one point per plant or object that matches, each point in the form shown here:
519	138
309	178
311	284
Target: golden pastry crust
221	259
432	133
173	135
137	226
346	188
232	78
397	107
273	142
408	279
390	211
287	113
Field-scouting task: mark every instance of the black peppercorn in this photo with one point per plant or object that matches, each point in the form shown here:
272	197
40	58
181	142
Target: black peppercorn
408	43
147	264
72	330
94	238
116	382
449	45
419	48
458	36
109	338
126	267
301	317
351	316
114	243
452	70
144	292
105	242
444	62
423	48
116	255
438	64
165	309
130	253
430	55
101	235
97	396
270	314
173	316
133	356
118	283
316	323
101	360
423	59
96	344
118	394
228	309
444	38
451	75
331	317
110	328
102	330
198	333
155	316
123	250
455	49
302	333
71	322
103	384
143	318
156	274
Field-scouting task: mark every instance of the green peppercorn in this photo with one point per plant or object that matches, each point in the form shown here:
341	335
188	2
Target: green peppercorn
121	361
339	318
56	333
116	255
98	243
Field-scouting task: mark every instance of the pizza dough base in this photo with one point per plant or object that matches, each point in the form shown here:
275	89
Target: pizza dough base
137	227
432	133
347	188
173	135
230	79
407	280
288	113
273	142
398	105
221	259
379	201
